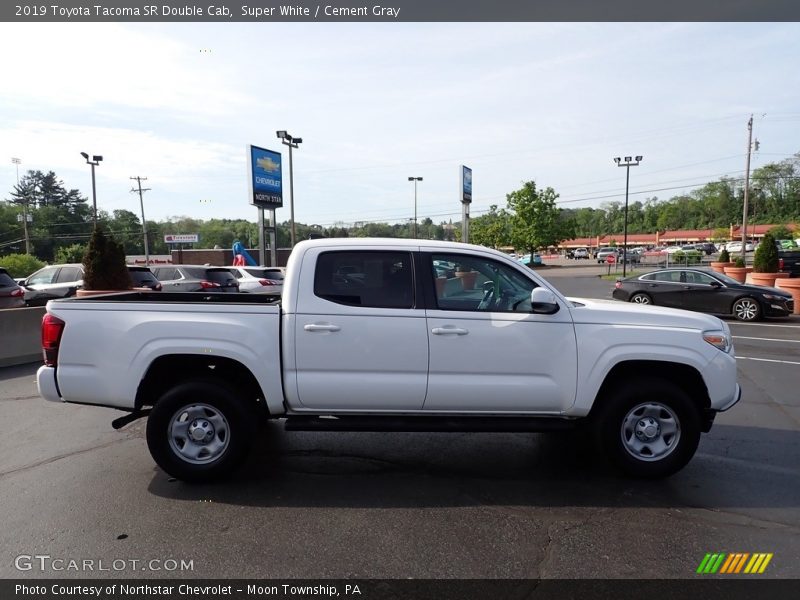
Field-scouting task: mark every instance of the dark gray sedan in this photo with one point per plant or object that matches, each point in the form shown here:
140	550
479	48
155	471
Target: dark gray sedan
705	291
11	295
195	278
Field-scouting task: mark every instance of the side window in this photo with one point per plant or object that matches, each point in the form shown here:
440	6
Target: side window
667	276
701	278
465	282
69	275
44	276
370	278
166	274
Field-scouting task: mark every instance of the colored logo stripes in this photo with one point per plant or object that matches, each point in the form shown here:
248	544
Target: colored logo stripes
734	563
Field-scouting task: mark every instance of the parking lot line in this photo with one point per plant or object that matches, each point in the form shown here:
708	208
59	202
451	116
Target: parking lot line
742	337
764	325
772	360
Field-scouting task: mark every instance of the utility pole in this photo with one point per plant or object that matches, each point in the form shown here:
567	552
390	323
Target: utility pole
627	163
17	162
747	186
144	223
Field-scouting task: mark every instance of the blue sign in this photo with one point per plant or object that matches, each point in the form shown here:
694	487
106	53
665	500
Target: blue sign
466	185
265	178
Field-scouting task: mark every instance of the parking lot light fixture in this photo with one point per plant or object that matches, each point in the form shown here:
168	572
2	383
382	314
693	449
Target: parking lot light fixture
292	142
94	162
415	180
627	163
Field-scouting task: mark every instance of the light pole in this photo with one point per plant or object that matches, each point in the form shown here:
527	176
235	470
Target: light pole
628	163
18	162
94	162
415	180
292	142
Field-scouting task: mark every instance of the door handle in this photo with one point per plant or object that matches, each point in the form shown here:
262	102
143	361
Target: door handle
319	327
449	331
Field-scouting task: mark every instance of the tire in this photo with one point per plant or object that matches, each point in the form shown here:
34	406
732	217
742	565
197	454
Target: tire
204	408
649	428
640	298
746	309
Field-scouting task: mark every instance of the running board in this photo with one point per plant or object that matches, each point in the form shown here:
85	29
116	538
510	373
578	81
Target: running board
429	424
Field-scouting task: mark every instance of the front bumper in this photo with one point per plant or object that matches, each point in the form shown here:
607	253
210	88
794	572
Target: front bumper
710	414
46	382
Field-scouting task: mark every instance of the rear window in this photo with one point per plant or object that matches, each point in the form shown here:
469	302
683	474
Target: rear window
266	273
140	276
6	279
219	276
366	278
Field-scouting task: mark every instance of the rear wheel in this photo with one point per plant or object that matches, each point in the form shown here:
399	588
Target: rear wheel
641	298
198	431
649	428
746	309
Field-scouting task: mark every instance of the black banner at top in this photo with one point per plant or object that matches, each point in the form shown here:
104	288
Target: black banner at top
266	11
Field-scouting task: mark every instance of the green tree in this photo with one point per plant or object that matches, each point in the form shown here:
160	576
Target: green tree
766	257
70	254
20	265
492	229
536	220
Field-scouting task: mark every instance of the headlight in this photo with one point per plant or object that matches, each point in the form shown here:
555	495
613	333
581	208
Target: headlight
720	339
774	298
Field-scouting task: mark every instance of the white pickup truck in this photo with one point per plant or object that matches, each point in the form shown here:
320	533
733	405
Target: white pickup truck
392	335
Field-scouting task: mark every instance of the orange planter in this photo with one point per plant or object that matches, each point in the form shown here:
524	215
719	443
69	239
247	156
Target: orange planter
738	273
719	267
467	279
766	279
793	287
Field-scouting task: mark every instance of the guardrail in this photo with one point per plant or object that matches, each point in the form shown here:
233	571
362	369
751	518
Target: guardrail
20	335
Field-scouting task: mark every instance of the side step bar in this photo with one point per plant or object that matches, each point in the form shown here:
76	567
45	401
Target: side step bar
429	423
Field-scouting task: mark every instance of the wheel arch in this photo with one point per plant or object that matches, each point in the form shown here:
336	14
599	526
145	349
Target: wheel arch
684	376
170	370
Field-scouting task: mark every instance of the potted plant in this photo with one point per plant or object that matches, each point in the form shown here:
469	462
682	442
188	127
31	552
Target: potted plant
724	261
466	276
104	268
738	271
765	262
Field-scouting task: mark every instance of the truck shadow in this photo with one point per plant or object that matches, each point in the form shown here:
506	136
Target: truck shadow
734	467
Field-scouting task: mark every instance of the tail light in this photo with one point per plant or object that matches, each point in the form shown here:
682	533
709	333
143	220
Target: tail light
780	264
208	284
157	288
269	282
52	328
17	293
617	284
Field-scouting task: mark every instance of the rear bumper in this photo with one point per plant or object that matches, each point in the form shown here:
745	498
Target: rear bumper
46	382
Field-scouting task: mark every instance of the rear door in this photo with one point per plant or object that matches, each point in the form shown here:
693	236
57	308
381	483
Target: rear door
360	338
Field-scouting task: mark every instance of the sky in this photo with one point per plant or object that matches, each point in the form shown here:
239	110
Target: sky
377	103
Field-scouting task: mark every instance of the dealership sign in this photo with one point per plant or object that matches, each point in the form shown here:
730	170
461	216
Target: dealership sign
182	238
264	170
466	185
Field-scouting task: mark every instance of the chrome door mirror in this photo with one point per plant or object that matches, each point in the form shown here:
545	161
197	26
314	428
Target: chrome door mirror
543	301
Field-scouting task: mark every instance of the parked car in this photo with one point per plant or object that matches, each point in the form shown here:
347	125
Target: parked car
259	280
704	291
11	294
737	247
580	253
603	254
526	260
672	249
196	278
63	281
706	247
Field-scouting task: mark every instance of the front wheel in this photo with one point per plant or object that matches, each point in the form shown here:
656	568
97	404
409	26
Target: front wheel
746	309
198	432
649	429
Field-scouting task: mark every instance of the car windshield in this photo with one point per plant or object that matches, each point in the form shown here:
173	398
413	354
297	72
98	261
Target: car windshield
266	273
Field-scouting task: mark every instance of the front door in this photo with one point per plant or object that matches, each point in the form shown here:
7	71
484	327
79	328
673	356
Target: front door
488	351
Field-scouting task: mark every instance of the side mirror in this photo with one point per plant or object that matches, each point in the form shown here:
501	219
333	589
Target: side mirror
543	301
716	285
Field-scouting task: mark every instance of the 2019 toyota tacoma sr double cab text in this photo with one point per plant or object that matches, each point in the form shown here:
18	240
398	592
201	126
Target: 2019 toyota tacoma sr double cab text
372	335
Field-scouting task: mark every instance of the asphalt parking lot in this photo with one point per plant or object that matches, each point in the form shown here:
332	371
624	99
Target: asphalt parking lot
325	505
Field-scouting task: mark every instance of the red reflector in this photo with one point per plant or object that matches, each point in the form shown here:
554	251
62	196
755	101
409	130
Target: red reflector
52	328
208	284
17	293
